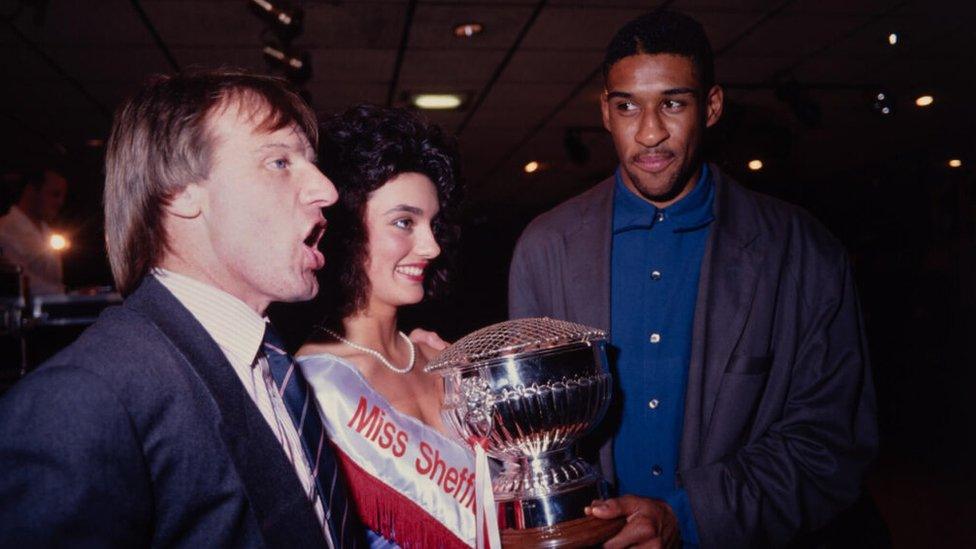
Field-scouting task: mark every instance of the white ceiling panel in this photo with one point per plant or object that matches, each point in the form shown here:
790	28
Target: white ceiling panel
353	66
576	28
105	22
202	24
447	69
353	25
551	67
796	34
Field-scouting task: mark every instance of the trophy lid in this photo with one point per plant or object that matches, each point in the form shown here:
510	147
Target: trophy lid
513	337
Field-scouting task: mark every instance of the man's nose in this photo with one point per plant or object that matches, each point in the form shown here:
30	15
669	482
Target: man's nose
319	190
651	131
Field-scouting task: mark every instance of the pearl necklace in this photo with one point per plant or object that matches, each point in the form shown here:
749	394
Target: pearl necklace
376	354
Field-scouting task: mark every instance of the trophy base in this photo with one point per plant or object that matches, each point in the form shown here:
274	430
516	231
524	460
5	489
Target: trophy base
572	534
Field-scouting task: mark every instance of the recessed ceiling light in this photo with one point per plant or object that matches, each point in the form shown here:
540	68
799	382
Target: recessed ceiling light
893	38
467	30
436	101
531	167
755	165
955	163
924	100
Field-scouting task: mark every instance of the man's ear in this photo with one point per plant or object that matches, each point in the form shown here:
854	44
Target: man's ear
186	203
605	109
713	105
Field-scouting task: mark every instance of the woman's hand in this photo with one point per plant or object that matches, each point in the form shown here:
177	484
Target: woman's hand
431	339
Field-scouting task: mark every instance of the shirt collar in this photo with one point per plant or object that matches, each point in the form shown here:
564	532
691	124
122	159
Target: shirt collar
692	212
237	328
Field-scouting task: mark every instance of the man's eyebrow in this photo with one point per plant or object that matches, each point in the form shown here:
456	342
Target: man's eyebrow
307	150
670	91
274	145
405	208
680	91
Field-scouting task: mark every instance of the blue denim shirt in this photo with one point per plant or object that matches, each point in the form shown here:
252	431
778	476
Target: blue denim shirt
655	262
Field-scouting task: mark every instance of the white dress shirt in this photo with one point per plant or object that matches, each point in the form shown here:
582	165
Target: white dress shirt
239	331
24	244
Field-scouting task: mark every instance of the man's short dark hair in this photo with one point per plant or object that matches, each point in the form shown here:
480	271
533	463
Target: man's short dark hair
362	149
664	31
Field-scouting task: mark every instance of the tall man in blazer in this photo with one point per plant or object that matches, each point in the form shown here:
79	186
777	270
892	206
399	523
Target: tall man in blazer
746	406
165	424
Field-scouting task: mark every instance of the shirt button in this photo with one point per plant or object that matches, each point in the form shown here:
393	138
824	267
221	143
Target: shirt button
655	338
656	470
655	275
659	217
653	403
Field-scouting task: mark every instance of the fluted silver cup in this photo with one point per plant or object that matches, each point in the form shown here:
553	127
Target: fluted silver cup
530	388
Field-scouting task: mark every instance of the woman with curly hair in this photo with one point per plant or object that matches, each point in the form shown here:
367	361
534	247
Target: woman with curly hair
387	247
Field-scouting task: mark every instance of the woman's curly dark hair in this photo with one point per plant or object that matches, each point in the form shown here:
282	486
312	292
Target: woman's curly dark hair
360	150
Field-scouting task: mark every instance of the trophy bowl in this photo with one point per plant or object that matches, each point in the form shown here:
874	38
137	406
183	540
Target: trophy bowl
529	389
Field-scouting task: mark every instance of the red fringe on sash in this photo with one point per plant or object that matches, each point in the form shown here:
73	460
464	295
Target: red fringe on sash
384	510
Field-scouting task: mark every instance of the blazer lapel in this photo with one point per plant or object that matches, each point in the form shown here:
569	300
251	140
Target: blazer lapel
277	497
589	293
727	285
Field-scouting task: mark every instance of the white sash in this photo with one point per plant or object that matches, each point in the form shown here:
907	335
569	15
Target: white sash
410	457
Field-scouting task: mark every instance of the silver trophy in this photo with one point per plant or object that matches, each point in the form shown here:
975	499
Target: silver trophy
530	388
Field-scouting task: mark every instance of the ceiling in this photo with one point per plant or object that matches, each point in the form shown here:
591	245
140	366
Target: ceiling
530	76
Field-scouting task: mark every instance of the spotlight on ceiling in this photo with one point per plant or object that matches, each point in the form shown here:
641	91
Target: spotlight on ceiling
955	163
531	167
924	100
436	101
295	66
467	30
893	38
287	19
755	165
883	103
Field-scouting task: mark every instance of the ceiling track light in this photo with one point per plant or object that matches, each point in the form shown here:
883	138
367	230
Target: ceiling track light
286	20
883	103
295	66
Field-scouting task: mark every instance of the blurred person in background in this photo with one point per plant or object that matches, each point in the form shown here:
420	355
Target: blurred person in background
25	232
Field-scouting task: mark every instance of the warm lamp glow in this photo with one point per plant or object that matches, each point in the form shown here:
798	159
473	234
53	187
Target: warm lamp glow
59	242
755	165
893	38
924	100
531	167
955	163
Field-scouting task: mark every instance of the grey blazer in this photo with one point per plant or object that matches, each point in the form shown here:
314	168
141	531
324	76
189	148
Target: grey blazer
780	420
140	434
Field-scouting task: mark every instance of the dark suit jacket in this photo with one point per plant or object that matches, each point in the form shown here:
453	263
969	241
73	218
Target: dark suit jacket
140	434
780	419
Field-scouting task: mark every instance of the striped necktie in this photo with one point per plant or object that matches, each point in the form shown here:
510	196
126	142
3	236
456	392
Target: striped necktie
343	524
